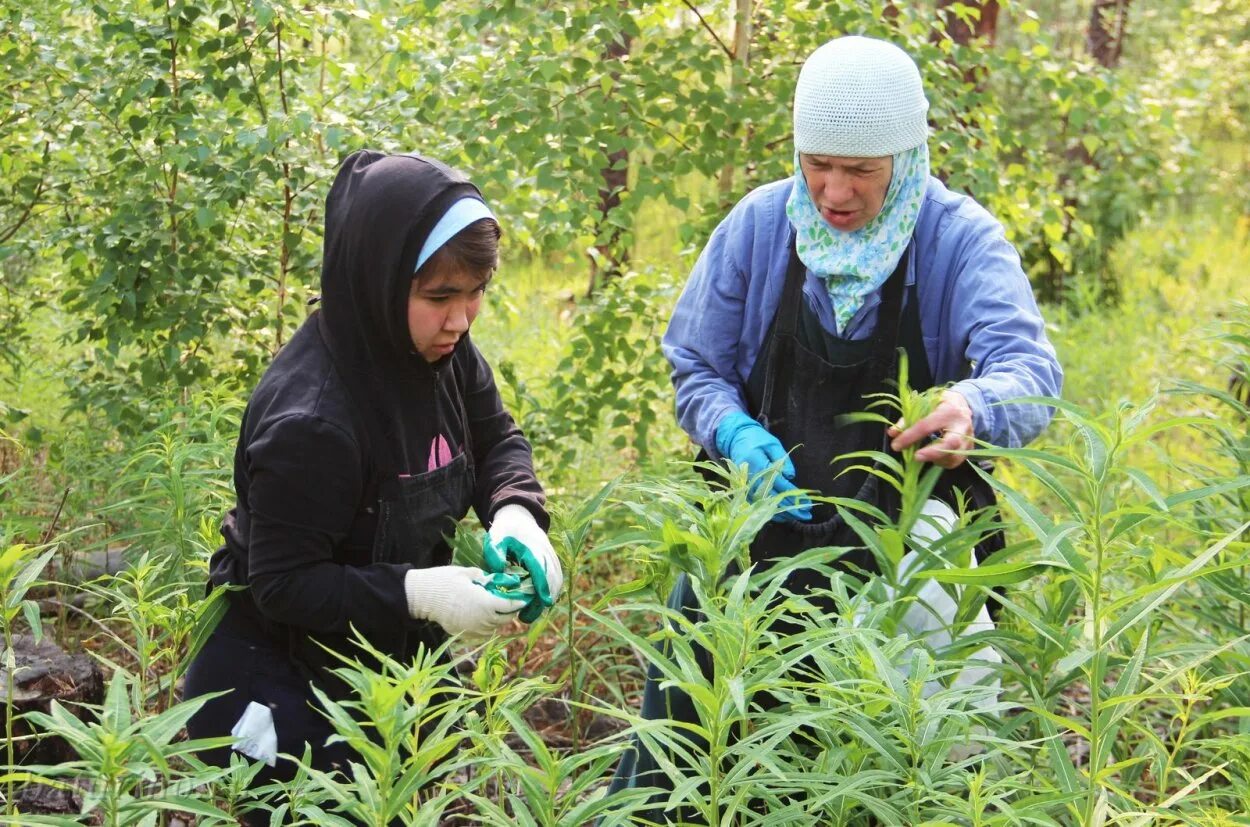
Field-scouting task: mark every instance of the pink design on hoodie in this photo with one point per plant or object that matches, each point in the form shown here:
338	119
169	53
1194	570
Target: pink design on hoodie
440	453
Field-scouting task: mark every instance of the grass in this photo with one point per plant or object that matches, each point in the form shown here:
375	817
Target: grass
1179	275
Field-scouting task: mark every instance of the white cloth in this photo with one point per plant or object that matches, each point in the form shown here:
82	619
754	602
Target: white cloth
455	598
254	735
930	615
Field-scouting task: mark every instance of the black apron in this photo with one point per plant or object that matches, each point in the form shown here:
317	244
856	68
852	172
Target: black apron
803	381
801	384
415	514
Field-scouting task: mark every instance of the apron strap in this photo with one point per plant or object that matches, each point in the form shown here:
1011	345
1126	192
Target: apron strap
883	352
784	330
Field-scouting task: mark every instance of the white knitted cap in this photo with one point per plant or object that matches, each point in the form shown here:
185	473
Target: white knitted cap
860	98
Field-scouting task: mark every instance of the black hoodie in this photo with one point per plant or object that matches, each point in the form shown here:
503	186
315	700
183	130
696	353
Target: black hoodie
349	402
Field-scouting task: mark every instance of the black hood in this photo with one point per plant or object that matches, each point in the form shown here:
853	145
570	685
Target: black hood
380	210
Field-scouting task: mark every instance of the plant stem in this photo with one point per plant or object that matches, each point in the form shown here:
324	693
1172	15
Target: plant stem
575	672
10	666
1098	661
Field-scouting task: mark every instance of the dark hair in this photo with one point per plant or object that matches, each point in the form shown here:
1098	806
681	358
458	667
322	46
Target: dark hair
475	249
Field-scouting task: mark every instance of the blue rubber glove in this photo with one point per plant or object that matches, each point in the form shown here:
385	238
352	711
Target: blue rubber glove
743	440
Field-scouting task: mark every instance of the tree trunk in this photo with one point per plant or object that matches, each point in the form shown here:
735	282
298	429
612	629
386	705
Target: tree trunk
1104	40
1108	21
612	255
738	77
45	673
985	27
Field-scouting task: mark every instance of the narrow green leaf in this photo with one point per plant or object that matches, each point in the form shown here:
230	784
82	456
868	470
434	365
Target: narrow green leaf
1000	574
1175	581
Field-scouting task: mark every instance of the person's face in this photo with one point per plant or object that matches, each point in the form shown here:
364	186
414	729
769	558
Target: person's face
441	307
849	192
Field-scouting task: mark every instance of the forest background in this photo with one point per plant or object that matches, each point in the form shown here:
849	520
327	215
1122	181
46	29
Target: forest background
162	177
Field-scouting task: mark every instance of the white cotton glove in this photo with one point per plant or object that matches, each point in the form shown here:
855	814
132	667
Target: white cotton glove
455	598
514	534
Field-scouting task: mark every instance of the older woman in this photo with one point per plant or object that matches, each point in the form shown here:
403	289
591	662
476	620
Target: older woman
800	302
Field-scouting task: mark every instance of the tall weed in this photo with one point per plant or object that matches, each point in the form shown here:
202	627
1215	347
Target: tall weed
1099	630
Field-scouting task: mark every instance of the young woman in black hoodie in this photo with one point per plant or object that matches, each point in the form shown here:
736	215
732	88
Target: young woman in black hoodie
375	429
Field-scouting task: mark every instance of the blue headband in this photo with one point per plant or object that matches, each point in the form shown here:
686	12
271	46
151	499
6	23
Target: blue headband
458	216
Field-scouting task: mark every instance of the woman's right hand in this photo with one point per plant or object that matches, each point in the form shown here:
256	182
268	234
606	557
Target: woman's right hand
746	442
456	598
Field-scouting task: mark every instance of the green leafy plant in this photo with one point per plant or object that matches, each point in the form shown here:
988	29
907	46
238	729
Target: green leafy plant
162	623
408	723
611	379
1104	633
547	787
175	486
134	762
571	532
828	717
20	568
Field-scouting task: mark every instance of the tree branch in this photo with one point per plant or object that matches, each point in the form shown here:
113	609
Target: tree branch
774	144
660	127
719	42
12	231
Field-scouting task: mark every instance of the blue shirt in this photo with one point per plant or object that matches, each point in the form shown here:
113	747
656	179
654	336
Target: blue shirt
978	316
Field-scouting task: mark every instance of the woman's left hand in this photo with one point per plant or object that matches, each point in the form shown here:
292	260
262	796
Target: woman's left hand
515	535
949	427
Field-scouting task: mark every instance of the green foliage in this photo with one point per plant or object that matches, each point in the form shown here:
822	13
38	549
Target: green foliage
174	489
832	722
20	568
164	164
612	378
131	758
405	724
163	169
912	480
161	618
173	145
1104	615
851	720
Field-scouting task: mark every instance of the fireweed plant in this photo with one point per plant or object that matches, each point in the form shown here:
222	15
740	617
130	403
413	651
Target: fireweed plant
1097	641
1092	628
1121	693
170	497
20	568
410	724
830	721
134	766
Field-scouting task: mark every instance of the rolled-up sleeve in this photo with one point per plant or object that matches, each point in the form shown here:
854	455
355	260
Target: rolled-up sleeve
992	314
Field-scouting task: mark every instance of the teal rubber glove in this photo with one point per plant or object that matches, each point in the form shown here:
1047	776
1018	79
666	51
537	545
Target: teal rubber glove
516	586
532	589
510	585
745	441
515	537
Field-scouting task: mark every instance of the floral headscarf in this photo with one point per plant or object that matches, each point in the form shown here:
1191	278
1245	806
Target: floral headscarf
854	264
